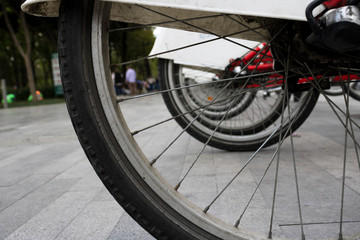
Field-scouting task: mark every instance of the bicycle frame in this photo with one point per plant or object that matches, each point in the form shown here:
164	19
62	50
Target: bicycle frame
264	62
198	56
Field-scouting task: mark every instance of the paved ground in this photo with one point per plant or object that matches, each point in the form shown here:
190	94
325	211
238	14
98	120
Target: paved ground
49	191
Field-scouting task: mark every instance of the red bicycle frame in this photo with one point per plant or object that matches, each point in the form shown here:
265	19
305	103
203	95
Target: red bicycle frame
264	62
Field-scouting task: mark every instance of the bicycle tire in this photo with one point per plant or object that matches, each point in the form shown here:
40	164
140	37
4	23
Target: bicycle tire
95	135
336	92
353	91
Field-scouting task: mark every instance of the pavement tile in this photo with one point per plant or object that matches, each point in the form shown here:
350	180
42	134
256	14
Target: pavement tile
19	154
127	228
96	221
23	210
56	194
43	159
10	195
51	221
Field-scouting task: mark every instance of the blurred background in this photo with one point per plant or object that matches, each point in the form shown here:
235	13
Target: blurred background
28	55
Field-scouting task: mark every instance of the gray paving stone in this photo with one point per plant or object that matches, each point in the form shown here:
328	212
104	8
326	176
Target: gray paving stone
50	221
58	195
10	195
56	200
64	162
23	210
104	195
128	229
44	159
7	151
96	221
325	232
78	170
19	154
89	182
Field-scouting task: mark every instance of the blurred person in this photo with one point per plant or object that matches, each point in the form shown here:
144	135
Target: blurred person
118	81
131	80
151	83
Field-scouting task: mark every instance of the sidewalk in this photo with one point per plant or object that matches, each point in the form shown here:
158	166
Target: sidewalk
48	189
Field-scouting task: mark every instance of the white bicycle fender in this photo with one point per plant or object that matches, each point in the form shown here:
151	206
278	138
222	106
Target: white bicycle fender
214	53
284	9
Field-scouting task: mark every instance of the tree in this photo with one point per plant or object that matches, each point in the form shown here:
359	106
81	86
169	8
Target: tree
27	43
131	42
24	49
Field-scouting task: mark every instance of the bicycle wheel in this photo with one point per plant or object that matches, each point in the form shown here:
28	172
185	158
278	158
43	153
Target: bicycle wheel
354	90
335	90
242	123
167	193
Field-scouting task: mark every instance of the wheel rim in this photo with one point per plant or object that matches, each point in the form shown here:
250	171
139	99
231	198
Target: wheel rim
249	124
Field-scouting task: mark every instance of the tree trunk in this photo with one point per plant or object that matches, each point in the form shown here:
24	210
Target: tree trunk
124	56
26	54
50	81
30	77
147	68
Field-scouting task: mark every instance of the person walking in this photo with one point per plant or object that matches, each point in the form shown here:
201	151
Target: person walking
118	81
131	80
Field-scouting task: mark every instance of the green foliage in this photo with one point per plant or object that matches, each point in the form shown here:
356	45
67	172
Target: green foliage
48	92
44	102
22	94
43	44
132	44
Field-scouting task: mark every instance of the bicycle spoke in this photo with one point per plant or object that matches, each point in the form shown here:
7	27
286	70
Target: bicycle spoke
344	165
254	155
176	49
215	130
223	80
135	132
264	174
217	126
205	145
277	164
162	23
198	85
294	160
346	98
355	143
197	27
188	112
184	130
211	103
348	121
332	105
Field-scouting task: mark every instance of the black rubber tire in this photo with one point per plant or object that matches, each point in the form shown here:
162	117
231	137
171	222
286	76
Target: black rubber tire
253	129
96	138
216	112
229	144
354	93
333	92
